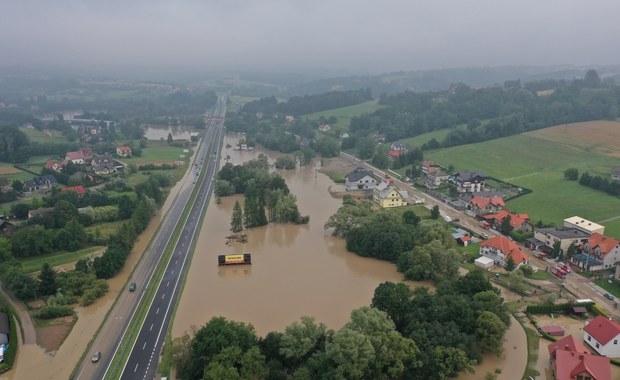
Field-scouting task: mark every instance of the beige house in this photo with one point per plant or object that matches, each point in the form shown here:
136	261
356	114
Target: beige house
387	195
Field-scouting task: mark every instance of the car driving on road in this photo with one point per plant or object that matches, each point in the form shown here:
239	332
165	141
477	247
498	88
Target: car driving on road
96	357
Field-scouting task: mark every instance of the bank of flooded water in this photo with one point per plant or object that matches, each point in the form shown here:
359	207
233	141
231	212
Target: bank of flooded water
296	269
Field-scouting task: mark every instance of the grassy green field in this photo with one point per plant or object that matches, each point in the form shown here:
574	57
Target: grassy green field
539	165
38	136
157	151
106	229
344	114
34	264
426	137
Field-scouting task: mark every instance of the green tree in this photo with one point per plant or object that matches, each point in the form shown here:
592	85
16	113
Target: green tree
490	332
17	186
125	207
394	299
381	159
510	264
352	353
302	339
506	228
435	212
236	222
571	250
557	249
410	217
571	174
169	139
366	147
448	362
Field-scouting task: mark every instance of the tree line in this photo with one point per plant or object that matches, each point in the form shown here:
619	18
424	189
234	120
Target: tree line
595	182
403	334
489	113
300	105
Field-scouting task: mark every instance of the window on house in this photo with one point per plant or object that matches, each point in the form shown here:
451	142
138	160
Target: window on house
597	345
589	338
615	341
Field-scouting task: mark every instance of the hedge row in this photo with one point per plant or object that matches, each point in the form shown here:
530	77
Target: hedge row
9	355
562	308
51	312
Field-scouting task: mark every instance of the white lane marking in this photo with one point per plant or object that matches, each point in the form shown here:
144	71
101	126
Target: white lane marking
135	369
151	327
163	295
157	311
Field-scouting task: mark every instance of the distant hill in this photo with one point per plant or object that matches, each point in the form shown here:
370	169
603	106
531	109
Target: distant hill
441	79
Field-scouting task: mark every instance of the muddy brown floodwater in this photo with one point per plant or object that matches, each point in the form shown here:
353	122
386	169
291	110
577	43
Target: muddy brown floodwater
295	271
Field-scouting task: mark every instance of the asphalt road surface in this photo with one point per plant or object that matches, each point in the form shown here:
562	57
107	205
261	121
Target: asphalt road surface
144	357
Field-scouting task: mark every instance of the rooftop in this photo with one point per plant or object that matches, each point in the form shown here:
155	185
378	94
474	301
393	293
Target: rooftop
564	232
602	329
583	223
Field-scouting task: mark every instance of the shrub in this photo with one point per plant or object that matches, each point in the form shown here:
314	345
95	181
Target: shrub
51	312
9	355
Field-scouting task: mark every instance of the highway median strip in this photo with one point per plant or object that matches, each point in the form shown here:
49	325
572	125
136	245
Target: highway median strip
133	329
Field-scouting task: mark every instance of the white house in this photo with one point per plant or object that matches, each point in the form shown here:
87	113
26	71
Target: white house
598	252
500	249
603	335
360	179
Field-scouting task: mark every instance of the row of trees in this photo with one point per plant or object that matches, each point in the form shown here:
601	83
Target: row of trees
300	105
464	319
488	113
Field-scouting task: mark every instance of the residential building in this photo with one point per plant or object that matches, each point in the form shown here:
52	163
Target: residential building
469	181
399	146
394	153
598	252
461	236
103	165
123	151
387	195
500	249
615	174
435	175
80	190
5	185
583	225
289	118
360	179
44	182
55	166
519	222
617	274
566	237
603	335
486	205
325	128
76	158
570	360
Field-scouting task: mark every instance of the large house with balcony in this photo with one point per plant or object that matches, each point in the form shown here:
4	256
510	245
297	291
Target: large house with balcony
500	249
598	252
360	179
570	360
486	205
469	181
566	236
519	222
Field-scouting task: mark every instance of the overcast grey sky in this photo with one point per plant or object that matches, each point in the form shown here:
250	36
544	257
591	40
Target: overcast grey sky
360	35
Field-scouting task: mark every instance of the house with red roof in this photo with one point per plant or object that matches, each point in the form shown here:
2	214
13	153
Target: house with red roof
75	157
519	222
486	205
393	153
55	166
603	335
123	151
605	248
500	249
80	190
570	360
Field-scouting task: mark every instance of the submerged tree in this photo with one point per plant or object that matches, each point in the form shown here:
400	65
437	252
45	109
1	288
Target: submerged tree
236	222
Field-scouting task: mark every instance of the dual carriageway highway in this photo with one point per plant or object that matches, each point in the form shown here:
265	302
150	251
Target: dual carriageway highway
144	357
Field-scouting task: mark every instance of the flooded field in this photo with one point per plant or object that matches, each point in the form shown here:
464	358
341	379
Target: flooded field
296	270
161	132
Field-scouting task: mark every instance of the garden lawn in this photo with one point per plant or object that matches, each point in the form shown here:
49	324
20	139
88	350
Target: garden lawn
345	114
613	288
106	229
34	264
157	152
530	162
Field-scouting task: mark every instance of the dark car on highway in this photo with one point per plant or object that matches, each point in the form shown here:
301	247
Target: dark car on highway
132	287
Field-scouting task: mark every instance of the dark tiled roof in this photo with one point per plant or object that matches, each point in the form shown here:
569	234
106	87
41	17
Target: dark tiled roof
358	174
